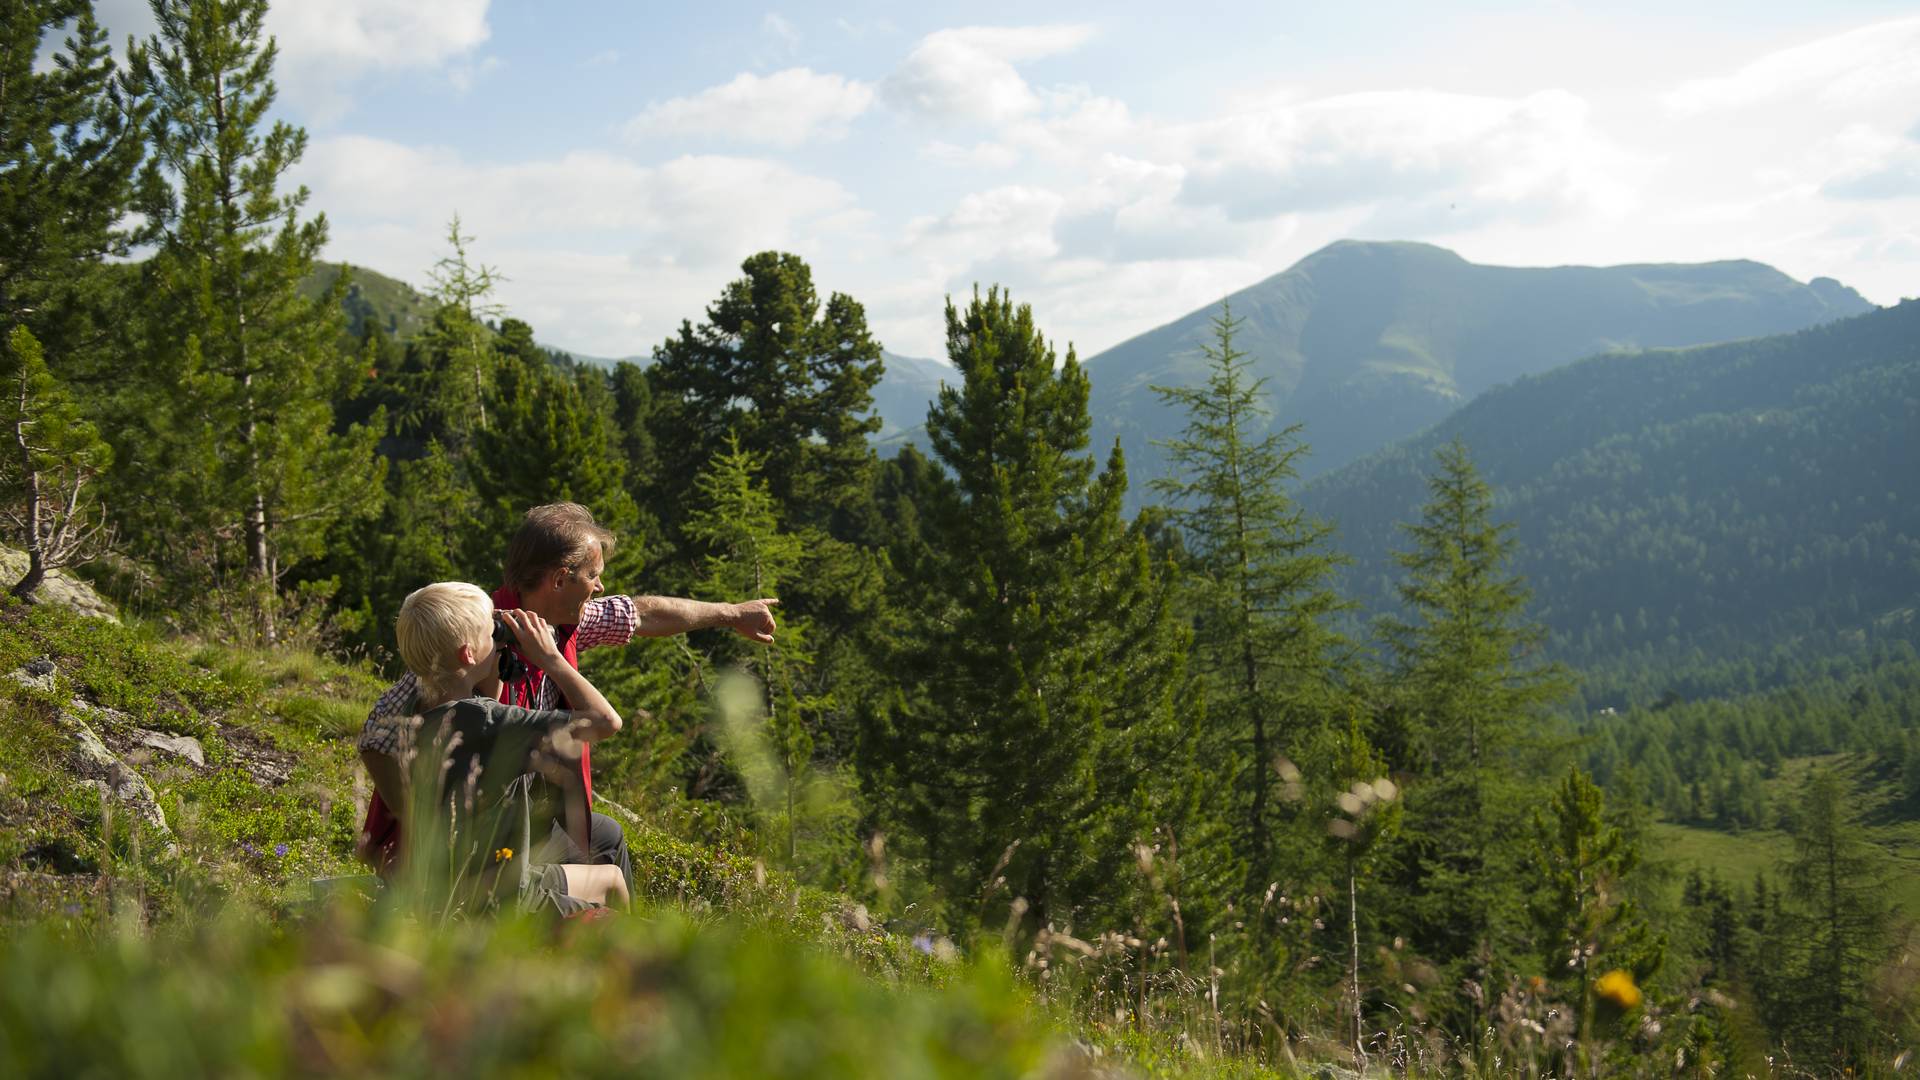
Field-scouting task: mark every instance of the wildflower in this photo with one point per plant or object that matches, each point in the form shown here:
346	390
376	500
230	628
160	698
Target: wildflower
280	850
502	854
1618	987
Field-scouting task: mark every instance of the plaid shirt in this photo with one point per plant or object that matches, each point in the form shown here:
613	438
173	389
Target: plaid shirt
608	620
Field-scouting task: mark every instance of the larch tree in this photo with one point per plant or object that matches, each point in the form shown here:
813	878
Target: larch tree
1466	683
1837	932
1586	921
1263	587
737	522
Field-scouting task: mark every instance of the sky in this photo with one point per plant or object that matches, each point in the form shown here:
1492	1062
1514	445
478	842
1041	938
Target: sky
1115	165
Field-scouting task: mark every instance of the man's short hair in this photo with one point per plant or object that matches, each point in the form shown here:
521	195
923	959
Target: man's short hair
553	537
436	620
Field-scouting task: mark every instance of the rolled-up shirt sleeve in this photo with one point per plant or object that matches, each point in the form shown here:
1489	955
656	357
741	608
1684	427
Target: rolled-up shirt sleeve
607	620
390	717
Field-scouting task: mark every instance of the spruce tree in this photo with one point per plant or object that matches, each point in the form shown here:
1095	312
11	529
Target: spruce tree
234	404
51	506
1262	588
1034	735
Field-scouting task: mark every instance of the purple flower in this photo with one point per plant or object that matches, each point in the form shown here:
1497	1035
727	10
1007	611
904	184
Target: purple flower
247	846
72	909
280	850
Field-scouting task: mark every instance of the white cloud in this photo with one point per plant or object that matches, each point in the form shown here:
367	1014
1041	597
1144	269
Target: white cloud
379	33
777	26
603	254
1870	164
785	108
1877	63
981	155
968	74
325	47
1014	222
1533	156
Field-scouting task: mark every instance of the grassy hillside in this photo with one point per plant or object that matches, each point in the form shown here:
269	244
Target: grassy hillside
226	937
1367	343
397	308
1678	505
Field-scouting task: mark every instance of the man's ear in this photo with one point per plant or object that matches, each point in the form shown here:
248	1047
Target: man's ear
557	577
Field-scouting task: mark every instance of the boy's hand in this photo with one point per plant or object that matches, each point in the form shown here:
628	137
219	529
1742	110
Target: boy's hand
535	637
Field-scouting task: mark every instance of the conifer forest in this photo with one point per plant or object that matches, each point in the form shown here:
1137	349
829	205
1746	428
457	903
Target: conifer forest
1574	731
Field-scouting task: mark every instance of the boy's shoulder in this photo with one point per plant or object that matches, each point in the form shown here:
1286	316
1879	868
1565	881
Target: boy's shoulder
481	711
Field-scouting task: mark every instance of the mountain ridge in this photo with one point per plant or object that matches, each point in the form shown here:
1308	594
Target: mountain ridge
1715	500
1367	342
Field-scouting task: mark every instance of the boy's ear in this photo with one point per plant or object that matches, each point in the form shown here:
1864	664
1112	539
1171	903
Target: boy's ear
467	655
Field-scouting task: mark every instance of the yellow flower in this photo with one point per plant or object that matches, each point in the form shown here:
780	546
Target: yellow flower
503	854
1617	986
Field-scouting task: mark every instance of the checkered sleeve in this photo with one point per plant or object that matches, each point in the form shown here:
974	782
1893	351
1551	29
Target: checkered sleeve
388	720
608	620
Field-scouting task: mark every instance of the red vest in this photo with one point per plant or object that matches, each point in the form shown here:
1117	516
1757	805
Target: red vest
381	845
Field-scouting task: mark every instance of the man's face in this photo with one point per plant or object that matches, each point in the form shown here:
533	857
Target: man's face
577	586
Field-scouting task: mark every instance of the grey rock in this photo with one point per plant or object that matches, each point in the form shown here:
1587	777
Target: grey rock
99	766
181	746
42	666
59	587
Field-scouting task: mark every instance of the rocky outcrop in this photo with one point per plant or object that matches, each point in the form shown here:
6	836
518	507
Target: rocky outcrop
59	588
93	761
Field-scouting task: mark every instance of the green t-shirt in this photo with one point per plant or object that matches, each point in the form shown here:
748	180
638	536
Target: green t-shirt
481	748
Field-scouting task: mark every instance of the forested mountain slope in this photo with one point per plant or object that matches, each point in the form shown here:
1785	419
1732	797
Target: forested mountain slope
1674	505
1367	343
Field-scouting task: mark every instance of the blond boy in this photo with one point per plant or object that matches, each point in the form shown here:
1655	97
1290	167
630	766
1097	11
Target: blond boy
480	746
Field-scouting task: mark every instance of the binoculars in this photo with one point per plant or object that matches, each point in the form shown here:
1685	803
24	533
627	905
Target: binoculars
511	666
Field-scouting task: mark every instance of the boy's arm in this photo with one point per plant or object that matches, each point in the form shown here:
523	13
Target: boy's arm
594	718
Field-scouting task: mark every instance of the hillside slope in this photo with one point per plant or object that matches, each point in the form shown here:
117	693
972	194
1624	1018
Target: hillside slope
1676	504
1367	343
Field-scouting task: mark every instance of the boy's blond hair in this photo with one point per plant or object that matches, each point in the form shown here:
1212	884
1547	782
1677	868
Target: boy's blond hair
436	620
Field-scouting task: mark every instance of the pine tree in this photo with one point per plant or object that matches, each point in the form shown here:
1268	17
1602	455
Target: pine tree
549	441
790	377
1262	589
69	146
233	407
1034	736
52	508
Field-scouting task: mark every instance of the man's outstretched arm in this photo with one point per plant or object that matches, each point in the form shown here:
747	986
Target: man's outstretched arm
666	616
